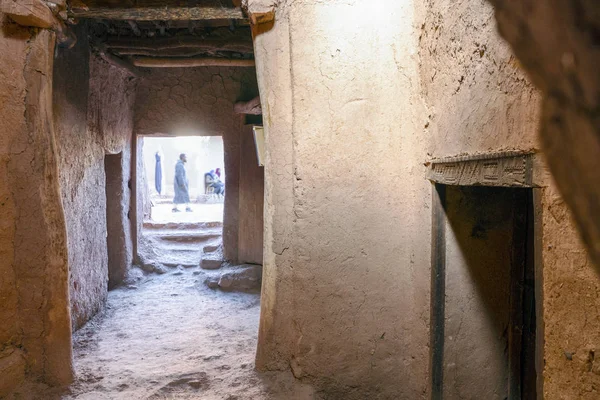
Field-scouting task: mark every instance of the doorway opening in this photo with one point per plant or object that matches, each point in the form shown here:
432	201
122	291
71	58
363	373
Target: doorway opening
182	186
117	223
205	173
484	332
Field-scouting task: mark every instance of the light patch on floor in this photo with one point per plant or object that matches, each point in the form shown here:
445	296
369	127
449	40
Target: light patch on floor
200	213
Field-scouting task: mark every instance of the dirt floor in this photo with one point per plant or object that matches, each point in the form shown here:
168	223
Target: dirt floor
167	335
171	337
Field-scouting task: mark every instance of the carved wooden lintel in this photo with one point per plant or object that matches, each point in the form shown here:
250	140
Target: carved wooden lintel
508	169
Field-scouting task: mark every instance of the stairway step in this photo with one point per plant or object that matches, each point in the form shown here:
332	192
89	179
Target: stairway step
152	225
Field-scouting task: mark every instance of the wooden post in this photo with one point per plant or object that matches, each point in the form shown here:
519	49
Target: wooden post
438	291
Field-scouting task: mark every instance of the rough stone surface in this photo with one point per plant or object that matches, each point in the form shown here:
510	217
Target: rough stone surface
154	267
210	248
557	42
243	277
212	259
134	275
34	313
345	295
246	277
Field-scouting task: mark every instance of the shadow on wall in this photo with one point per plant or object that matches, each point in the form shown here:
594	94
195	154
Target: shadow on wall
486	244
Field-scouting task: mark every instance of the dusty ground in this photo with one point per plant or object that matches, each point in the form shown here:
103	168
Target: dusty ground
173	338
168	336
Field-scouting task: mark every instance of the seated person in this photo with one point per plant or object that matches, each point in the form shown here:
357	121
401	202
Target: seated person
212	180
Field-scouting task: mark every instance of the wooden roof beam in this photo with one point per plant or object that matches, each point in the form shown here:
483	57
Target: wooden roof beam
145	46
159	13
171	62
116	61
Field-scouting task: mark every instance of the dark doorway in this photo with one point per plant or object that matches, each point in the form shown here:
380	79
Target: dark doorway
117	224
483	293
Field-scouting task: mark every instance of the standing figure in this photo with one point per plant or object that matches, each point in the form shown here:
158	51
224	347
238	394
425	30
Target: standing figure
158	174
182	195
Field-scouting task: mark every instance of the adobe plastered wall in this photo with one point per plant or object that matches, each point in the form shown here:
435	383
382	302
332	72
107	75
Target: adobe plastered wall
480	102
110	120
558	43
252	195
81	169
345	299
199	101
192	101
35	333
92	117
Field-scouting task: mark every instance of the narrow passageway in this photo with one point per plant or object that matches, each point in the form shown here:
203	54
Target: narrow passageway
166	335
171	337
414	180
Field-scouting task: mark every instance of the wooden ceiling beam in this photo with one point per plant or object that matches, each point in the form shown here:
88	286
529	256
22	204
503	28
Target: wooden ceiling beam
116	61
158	13
166	53
169	62
156	45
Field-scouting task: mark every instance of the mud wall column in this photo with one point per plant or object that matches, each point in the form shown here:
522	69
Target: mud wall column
35	329
252	193
82	181
346	275
110	119
231	148
141	203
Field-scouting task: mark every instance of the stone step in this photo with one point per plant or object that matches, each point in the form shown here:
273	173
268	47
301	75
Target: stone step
152	225
184	237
